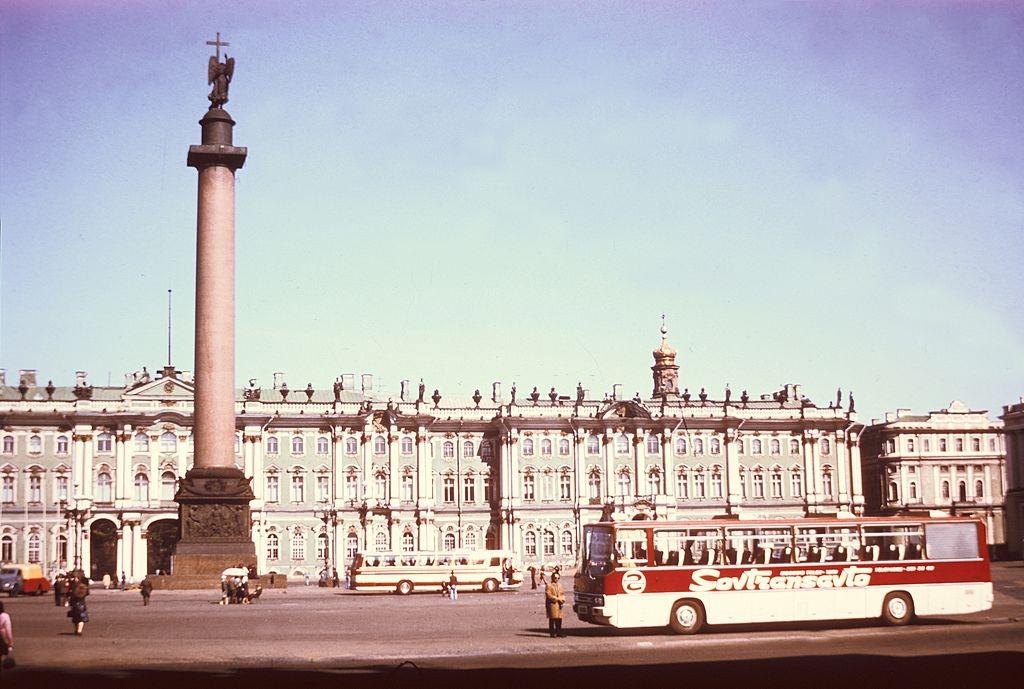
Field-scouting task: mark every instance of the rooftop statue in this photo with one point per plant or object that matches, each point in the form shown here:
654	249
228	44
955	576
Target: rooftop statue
219	74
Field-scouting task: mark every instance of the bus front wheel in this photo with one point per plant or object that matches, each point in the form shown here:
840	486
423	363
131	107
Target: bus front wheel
687	617
404	588
490	585
898	609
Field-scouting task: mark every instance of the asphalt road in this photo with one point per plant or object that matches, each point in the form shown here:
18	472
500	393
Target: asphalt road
311	628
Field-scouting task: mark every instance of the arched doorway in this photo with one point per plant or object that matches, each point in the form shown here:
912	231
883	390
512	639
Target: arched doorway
160	539
103	550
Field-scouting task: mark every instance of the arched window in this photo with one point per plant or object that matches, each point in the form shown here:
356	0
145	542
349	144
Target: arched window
448	449
979	489
351	545
776	446
8	444
381	541
33	547
35	488
593	445
826	481
942	445
105	443
406	445
992	444
527	447
945	490
567	542
913	490
910	445
529	543
699	485
654	482
976	444
625	484
273	488
776	483
962	491
103	487
35	444
594	484
298	546
167	485
8	489
794	446
565	486
622	444
716	483
548	539
486	450
298	445
351	446
680	445
62	444
470	540
796	482
755	446
408	542
757	479
529	486
563	447
271	445
380	485
546	447
7	548
62	550
141	442
141	486
741	447
408	485
169	442
448	542
653	446
894	491
826	446
380	445
683	484
716	446
698	446
959	444
323	445
468	450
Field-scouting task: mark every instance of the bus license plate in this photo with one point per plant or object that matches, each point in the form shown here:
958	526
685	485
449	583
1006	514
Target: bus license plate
584	609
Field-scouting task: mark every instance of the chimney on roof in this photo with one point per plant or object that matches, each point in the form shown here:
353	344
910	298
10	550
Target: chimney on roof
367	382
496	392
405	391
3	376
902	412
278	379
616	391
890	416
875	422
80	379
28	375
186	376
348	381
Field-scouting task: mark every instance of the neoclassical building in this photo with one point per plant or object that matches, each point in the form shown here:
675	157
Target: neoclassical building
950	461
89	473
1013	418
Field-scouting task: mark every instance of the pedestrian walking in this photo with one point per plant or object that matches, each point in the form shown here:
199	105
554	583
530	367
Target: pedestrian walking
453	586
124	582
334	577
543	577
59	587
6	640
306	578
554	599
79	612
147	589
106	580
533	576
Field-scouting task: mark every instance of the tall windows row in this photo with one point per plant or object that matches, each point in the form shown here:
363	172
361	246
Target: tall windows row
549	540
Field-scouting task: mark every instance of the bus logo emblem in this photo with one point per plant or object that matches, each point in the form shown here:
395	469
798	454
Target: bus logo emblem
634	581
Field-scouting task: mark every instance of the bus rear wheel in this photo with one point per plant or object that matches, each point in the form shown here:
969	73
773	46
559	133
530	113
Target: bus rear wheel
687	617
490	585
898	609
404	588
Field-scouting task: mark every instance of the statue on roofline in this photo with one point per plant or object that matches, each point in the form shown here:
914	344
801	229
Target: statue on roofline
219	74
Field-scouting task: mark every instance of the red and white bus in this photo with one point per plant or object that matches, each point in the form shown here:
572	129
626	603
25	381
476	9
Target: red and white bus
687	573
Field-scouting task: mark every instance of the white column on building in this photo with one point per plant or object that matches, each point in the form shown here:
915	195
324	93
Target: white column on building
121	472
181	458
668	465
80	439
732	471
855	473
155	479
608	447
639	462
842	468
337	468
988	483
247	456
970	481
936	485
366	446
811	469
123	540
138	553
394	468
904	481
259	469
86	478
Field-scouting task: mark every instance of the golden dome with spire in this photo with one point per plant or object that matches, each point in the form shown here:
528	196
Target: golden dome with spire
664	350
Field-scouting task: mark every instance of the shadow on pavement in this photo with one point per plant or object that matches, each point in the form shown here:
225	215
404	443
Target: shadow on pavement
794	672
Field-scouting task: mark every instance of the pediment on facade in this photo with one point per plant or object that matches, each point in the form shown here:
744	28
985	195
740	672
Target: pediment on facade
161	389
627	409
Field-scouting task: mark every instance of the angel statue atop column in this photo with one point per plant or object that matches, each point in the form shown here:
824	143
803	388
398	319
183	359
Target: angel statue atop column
219	74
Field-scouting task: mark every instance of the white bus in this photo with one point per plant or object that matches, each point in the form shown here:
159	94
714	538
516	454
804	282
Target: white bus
403	573
685	574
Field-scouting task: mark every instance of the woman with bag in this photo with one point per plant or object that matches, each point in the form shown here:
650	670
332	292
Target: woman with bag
78	613
6	640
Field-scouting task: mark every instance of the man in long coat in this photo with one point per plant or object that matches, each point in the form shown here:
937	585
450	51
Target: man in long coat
554	599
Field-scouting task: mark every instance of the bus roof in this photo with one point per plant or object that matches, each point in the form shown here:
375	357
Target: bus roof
796	521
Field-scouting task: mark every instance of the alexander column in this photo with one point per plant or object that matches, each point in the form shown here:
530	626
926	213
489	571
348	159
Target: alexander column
213	497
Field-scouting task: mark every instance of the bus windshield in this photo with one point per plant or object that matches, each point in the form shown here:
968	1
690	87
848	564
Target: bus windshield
597	552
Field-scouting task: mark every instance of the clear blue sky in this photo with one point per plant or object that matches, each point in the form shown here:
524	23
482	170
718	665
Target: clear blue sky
829	194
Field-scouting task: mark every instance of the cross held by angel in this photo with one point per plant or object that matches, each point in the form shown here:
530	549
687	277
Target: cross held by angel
219	74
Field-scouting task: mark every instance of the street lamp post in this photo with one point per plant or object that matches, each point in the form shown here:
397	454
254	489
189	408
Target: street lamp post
329	516
77	513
